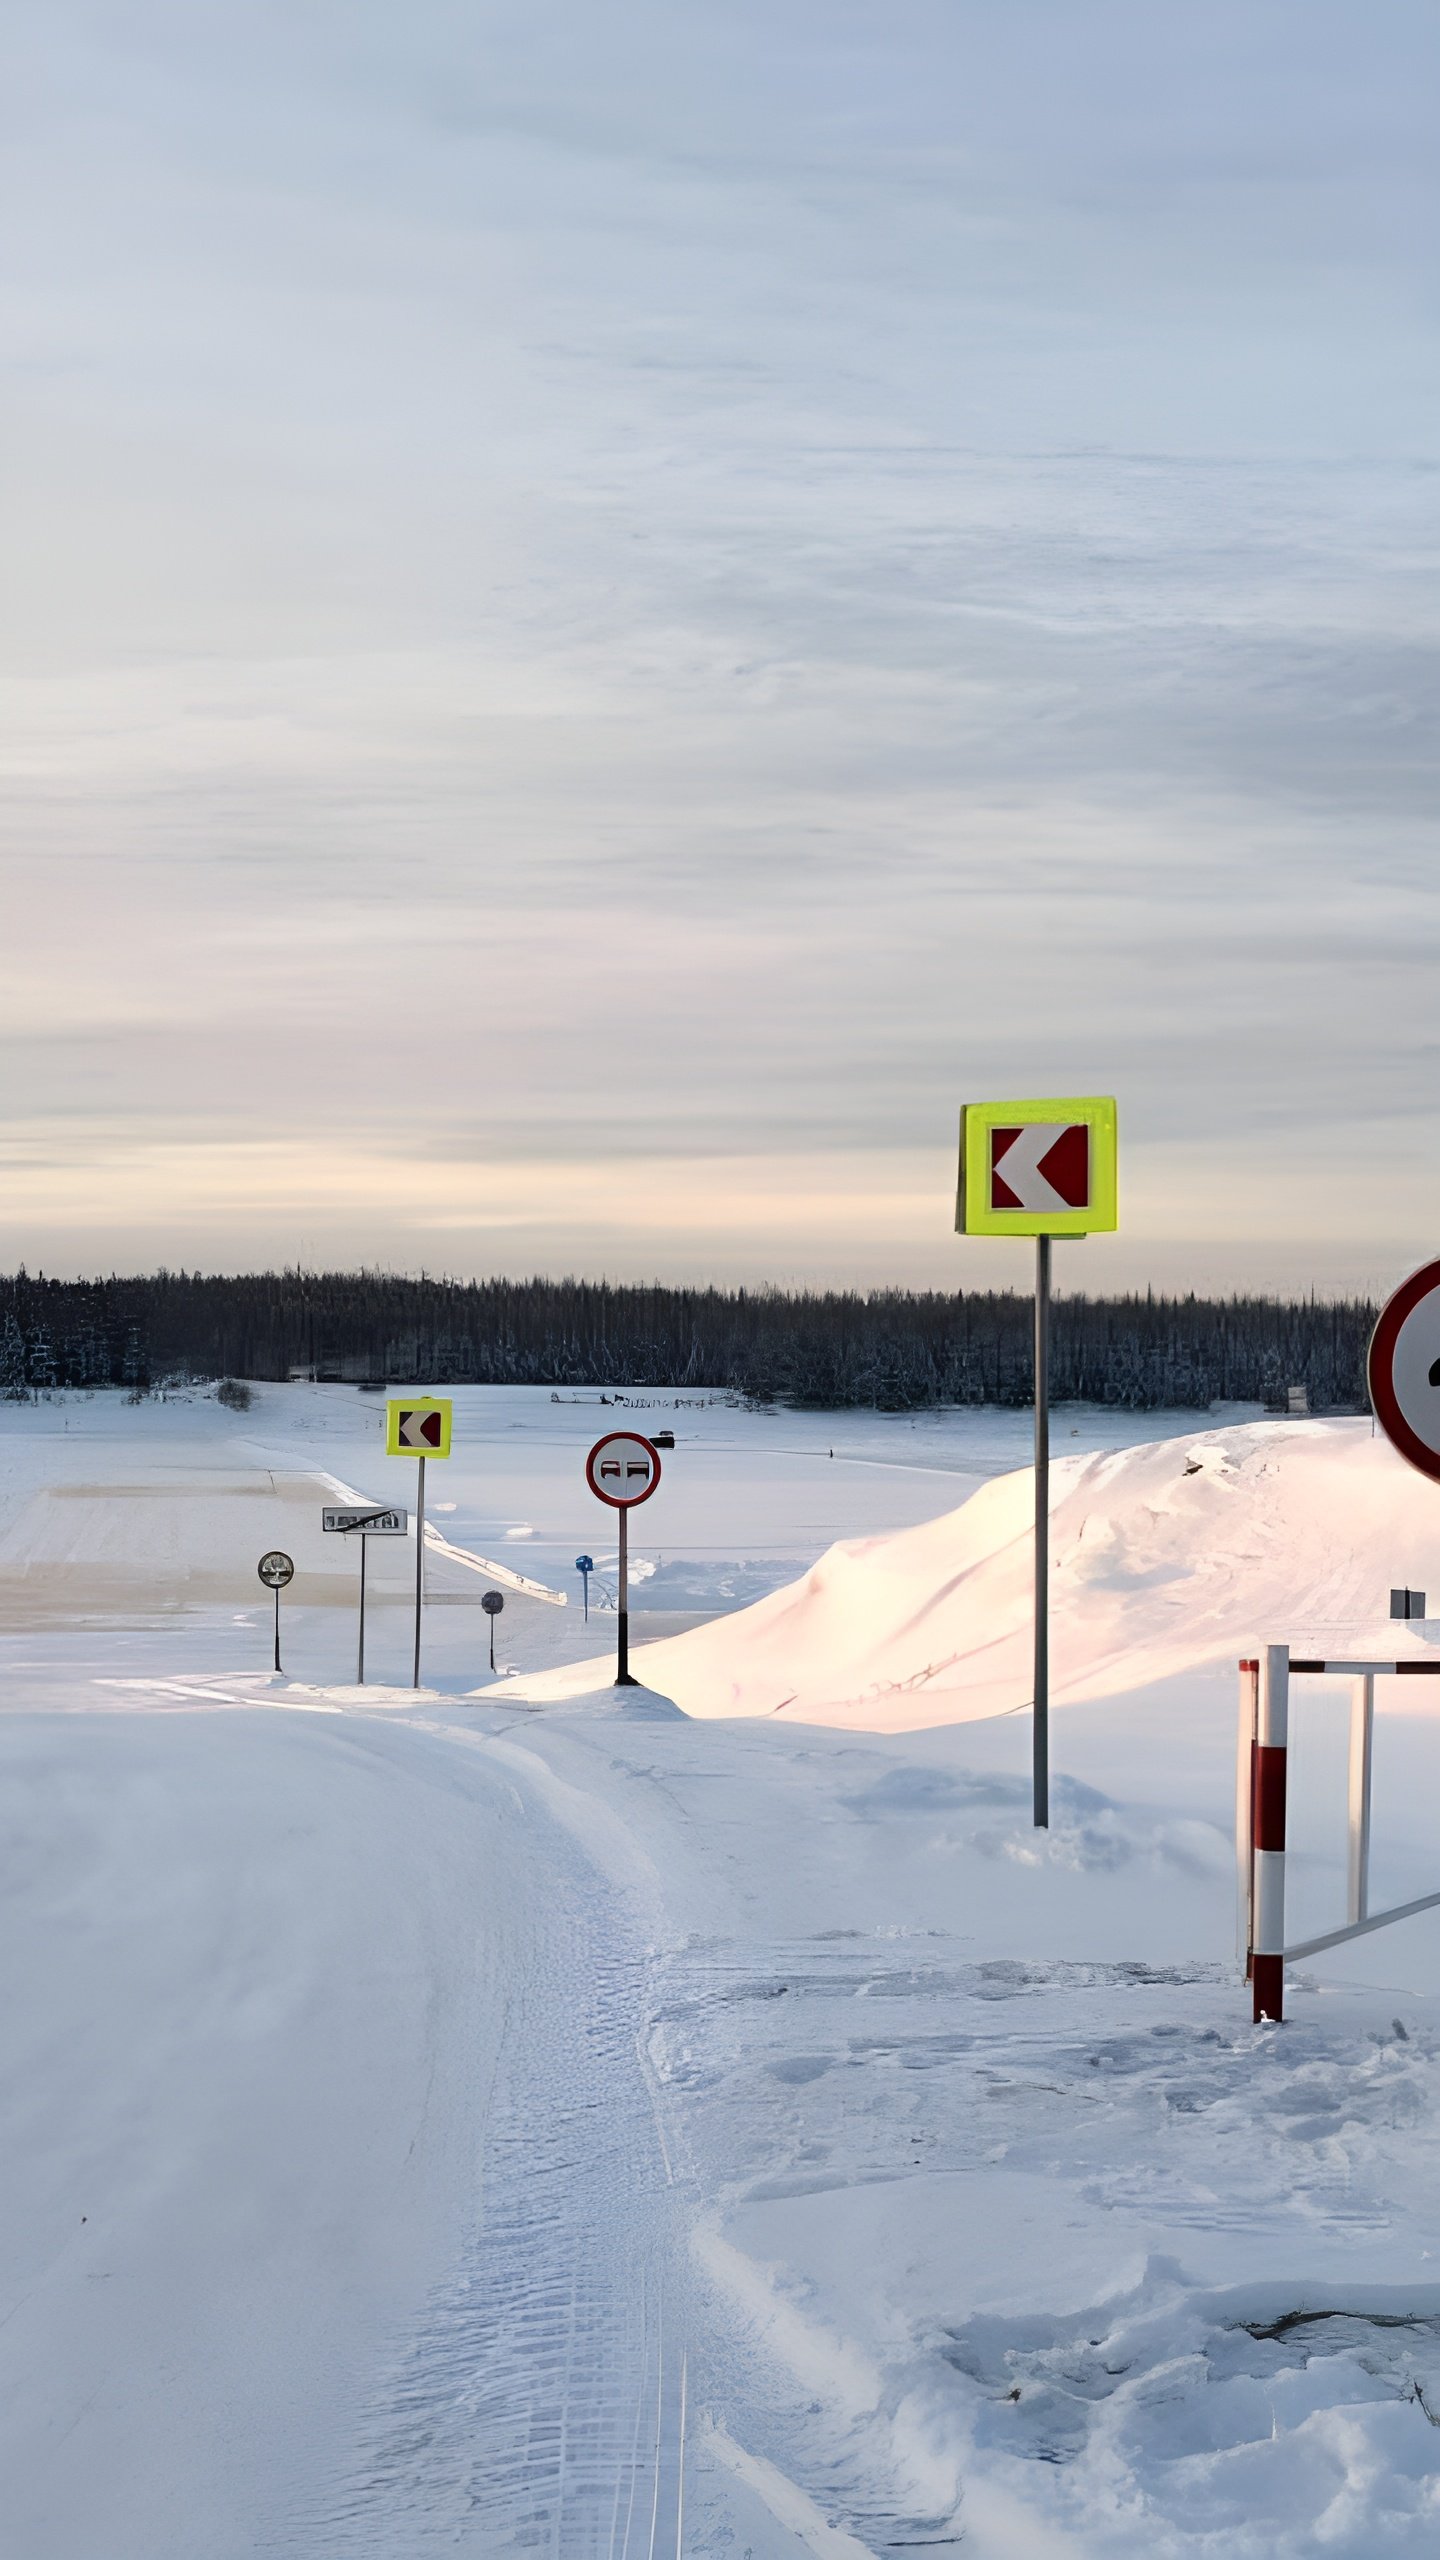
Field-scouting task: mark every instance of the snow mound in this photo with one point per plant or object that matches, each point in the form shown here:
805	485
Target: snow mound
595	1698
1163	1557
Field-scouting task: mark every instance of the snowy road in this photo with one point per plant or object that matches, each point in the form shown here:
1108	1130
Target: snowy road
322	2007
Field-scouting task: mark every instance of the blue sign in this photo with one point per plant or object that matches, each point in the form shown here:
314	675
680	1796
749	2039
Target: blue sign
585	1566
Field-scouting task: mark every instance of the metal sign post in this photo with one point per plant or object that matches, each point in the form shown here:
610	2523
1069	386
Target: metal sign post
585	1566
418	1427
1041	1751
373	1523
623	1676
419	1569
492	1602
275	1570
1041	1169
622	1470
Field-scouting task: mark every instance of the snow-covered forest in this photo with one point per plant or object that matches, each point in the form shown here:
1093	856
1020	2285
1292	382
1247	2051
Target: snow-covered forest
892	1350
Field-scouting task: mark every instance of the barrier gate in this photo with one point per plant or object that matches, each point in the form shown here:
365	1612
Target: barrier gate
1260	1765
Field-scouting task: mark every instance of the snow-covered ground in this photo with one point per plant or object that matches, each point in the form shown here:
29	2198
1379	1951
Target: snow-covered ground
500	2120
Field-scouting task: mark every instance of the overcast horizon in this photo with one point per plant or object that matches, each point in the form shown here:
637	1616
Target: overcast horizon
611	610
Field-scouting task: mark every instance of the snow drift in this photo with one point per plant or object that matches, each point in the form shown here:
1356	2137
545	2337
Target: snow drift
1163	1557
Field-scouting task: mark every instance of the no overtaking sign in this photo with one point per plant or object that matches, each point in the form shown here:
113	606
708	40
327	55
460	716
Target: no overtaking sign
623	1469
1403	1369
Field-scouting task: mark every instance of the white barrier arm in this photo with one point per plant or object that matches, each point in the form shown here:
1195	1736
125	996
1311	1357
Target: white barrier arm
1361	1928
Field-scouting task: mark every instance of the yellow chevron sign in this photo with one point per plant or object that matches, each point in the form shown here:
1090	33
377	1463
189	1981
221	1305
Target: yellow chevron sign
1038	1168
417	1427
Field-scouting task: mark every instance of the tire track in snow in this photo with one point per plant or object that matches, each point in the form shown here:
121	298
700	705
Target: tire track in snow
539	2406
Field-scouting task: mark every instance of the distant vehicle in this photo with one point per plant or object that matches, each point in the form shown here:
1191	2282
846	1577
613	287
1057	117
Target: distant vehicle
663	1439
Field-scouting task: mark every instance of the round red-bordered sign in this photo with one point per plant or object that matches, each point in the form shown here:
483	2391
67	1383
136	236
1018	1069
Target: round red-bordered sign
1402	1369
616	1466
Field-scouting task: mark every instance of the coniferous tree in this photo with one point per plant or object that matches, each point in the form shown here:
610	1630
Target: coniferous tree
14	1384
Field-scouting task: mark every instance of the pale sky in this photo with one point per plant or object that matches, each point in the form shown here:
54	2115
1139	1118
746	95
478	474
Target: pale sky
610	609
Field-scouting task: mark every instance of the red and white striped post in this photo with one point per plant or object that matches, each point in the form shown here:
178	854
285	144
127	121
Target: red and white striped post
1260	1813
1267	1954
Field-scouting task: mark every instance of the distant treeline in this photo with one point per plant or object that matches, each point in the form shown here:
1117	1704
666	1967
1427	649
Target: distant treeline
893	1349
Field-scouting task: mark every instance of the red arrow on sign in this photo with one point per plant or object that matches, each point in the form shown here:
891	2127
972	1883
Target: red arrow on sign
1042	1166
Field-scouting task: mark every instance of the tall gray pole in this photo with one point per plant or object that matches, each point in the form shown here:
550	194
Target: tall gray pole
623	1678
419	1568
1042	1534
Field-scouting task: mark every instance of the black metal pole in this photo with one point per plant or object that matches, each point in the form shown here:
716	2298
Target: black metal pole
277	1626
623	1679
1042	1534
360	1665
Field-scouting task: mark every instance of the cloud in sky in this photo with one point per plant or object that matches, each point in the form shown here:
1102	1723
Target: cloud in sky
611	608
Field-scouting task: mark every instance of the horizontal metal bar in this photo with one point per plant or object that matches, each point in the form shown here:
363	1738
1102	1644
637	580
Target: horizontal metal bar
1360	1928
1358	1670
1369	1670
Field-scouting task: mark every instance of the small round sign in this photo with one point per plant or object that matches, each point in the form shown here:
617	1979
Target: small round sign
584	1564
623	1469
276	1569
492	1602
1402	1369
